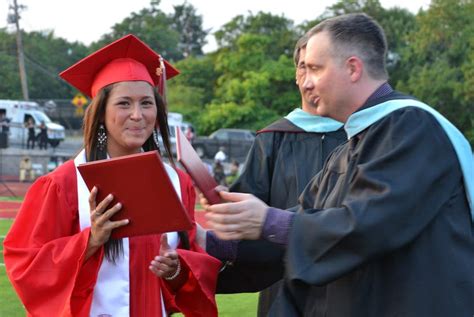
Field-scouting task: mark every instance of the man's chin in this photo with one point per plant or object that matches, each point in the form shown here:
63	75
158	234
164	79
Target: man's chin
321	110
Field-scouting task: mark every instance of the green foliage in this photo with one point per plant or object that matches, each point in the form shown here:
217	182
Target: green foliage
175	36
250	79
186	100
256	71
278	28
10	86
45	56
247	116
439	61
189	25
152	26
198	73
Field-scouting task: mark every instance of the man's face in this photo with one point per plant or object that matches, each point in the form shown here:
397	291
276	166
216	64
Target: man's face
326	79
306	103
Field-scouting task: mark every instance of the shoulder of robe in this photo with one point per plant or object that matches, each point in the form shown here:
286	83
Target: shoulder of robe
64	179
281	125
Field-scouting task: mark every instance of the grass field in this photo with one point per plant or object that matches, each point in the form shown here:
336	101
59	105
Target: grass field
239	305
9	303
11	198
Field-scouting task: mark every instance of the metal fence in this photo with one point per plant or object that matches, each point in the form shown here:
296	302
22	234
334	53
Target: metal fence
63	112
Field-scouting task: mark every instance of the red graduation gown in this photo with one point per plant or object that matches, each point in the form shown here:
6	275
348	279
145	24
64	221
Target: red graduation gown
45	251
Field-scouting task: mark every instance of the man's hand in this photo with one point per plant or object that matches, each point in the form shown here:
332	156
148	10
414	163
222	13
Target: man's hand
203	201
241	218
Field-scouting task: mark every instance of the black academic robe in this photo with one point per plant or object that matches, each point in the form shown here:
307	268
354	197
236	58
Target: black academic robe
281	162
385	228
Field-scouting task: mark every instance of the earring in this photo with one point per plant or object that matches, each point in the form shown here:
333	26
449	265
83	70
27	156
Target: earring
101	138
155	138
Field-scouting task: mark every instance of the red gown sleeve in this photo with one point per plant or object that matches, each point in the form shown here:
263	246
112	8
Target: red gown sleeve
197	296
44	250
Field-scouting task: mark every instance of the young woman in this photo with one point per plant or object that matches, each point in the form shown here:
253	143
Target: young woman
59	255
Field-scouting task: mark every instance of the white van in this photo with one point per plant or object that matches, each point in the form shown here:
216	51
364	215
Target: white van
174	119
19	112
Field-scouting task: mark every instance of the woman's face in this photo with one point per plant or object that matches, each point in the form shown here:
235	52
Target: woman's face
130	117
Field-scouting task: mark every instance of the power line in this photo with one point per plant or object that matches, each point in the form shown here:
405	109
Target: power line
42	68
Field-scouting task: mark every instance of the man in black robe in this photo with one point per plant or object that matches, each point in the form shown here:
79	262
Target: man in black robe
386	228
281	162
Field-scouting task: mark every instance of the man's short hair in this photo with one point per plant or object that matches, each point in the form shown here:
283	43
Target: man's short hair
357	34
300	44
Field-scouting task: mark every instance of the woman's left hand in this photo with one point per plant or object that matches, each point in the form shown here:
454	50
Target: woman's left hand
166	264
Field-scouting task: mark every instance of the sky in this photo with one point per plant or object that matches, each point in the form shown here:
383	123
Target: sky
87	20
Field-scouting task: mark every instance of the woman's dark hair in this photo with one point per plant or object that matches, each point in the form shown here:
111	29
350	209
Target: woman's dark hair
93	117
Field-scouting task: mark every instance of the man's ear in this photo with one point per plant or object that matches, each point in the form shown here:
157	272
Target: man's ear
355	68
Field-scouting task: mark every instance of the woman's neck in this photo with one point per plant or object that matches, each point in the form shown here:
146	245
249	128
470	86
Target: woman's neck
121	152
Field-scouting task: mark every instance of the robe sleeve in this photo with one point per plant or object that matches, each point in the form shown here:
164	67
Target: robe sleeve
197	296
258	264
44	253
399	176
257	173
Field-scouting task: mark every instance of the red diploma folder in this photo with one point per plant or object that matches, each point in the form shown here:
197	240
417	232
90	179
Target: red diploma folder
140	182
188	157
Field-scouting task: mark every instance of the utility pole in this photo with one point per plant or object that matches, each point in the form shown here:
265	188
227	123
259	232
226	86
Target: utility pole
15	18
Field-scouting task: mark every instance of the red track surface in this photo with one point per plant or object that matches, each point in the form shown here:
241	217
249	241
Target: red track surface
8	209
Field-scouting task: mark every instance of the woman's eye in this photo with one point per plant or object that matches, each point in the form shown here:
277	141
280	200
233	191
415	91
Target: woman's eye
123	103
147	103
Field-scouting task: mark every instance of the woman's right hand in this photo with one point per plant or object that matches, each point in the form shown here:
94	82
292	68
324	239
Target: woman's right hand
101	225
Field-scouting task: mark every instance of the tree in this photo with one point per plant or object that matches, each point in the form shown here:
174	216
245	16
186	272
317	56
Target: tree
152	26
188	24
248	116
440	56
255	71
277	28
200	73
174	36
10	87
189	92
45	56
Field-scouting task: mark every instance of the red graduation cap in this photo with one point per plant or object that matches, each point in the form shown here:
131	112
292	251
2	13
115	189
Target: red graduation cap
127	59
